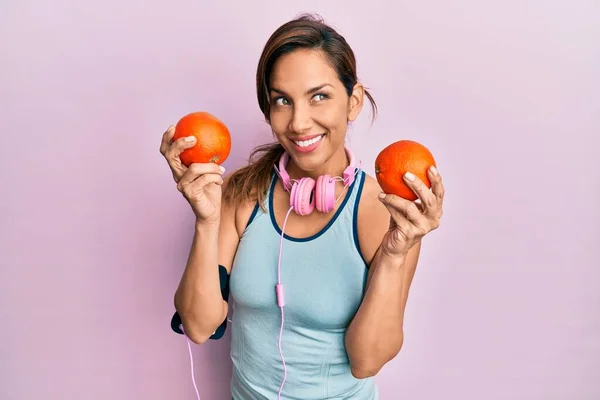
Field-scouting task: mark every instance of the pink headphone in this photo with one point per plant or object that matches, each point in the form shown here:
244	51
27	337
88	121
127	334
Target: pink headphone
305	193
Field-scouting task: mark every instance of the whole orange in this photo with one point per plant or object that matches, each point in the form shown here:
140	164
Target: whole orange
398	158
213	140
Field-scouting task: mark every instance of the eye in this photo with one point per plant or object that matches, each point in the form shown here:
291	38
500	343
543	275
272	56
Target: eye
281	101
320	96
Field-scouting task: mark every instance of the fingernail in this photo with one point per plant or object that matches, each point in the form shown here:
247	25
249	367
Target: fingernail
410	176
381	195
222	169
433	170
190	139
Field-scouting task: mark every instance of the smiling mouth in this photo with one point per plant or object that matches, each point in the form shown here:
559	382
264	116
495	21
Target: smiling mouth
309	142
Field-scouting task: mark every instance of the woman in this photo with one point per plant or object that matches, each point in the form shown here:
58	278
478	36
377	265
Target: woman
318	312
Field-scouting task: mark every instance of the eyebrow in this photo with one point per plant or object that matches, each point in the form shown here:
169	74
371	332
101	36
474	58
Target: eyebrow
309	91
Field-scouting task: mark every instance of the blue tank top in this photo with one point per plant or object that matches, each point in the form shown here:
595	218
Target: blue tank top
324	277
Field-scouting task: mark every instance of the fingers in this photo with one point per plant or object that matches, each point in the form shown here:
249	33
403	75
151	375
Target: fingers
173	153
167	136
405	217
178	146
172	150
198	185
199	170
400	208
437	187
425	195
416	218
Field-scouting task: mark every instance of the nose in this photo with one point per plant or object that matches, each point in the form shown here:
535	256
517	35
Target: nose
301	119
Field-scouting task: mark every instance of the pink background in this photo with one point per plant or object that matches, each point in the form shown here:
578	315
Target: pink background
94	235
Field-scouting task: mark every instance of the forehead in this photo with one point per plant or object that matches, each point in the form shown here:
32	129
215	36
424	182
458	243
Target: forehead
302	69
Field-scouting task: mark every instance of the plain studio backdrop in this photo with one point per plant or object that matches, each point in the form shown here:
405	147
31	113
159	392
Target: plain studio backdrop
94	235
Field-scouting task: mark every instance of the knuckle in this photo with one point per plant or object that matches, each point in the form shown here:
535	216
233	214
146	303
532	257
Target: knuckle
167	133
196	168
180	143
189	193
185	190
203	179
412	209
429	201
169	154
192	169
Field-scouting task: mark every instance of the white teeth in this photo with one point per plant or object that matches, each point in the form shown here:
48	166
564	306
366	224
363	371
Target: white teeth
306	143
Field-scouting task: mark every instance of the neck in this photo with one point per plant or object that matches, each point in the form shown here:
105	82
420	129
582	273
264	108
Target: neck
335	166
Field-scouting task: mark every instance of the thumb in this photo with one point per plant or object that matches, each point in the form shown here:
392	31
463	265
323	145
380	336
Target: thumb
393	214
178	147
393	202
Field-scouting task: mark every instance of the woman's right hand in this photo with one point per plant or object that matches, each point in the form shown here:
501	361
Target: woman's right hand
200	184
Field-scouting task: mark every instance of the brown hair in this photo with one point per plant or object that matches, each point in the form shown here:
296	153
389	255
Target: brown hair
307	31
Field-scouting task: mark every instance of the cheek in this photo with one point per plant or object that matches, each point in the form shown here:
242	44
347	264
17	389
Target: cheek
279	122
334	117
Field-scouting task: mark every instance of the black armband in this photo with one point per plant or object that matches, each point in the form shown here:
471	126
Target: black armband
224	281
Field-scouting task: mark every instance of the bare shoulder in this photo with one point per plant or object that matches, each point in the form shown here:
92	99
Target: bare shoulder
238	212
373	219
234	218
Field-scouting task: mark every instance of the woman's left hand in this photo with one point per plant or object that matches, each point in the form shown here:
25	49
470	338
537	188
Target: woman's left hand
411	220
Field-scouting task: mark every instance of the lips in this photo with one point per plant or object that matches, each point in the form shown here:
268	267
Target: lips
307	144
308	140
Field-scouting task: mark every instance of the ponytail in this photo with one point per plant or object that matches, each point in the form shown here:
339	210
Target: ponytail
251	183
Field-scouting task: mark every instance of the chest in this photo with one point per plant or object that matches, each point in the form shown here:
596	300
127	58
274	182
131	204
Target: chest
323	283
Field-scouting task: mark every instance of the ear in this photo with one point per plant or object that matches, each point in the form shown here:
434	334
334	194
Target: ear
356	101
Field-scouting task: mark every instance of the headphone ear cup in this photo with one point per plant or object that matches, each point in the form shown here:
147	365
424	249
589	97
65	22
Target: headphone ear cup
325	194
301	196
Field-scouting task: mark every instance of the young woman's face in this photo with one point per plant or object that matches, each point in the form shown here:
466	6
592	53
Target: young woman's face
310	109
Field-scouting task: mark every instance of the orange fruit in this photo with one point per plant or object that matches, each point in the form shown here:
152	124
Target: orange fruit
213	140
398	158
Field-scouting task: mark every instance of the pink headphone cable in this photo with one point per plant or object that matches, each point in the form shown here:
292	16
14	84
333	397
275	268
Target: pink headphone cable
191	361
279	286
281	300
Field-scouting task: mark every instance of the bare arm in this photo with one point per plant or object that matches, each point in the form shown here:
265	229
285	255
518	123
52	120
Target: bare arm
391	231
376	333
198	298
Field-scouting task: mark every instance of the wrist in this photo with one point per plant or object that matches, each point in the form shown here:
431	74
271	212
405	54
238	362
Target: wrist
206	226
395	260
